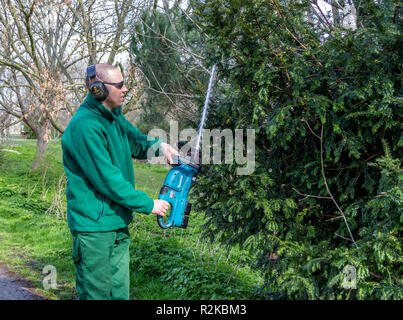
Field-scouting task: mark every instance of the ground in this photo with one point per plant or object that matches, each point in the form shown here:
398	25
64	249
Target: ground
14	288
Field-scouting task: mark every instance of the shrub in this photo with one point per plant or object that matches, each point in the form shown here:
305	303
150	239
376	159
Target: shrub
325	104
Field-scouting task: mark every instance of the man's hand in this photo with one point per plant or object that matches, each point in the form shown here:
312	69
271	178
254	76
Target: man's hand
160	207
168	151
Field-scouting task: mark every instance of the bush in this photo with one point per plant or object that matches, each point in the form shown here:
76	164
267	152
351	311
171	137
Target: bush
325	104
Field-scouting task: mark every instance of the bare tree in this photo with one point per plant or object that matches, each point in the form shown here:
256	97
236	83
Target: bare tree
340	13
160	25
45	47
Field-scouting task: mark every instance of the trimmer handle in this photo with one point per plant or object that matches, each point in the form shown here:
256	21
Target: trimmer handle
171	216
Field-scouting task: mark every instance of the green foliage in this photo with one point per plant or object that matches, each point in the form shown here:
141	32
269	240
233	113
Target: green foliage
192	276
303	88
2	156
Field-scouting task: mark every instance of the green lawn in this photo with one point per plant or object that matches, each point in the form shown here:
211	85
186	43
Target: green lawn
165	264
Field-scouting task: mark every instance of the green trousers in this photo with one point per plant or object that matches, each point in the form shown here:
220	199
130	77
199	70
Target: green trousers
101	261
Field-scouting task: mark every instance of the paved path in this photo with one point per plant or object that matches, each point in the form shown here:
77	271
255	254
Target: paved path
14	288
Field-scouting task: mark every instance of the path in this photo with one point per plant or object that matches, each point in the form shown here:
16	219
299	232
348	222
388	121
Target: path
14	288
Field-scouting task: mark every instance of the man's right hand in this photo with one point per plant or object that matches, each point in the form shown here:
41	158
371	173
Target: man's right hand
160	207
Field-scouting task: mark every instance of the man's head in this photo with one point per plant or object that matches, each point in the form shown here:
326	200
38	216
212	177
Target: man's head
112	79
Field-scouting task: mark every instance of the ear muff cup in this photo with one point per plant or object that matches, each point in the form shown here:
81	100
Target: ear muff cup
97	88
98	91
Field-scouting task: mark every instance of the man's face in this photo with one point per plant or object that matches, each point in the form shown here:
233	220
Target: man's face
116	96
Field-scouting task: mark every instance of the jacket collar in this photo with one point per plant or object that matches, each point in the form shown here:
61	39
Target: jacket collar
98	108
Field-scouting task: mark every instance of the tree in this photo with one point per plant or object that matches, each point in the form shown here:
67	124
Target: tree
325	101
45	47
168	54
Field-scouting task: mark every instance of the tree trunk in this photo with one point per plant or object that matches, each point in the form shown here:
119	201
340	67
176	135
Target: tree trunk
43	136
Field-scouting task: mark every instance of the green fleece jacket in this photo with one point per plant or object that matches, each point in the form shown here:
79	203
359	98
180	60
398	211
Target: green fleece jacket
98	147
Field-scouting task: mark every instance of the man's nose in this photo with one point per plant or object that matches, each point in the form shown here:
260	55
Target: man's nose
124	88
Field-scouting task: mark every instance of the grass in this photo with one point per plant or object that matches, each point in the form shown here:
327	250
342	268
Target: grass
165	264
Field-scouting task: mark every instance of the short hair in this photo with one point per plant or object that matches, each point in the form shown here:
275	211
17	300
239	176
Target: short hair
102	72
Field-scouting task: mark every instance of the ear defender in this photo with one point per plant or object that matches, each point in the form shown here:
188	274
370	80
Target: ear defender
97	88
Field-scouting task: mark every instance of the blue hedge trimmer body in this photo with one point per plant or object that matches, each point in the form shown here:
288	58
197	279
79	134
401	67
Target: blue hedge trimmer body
175	190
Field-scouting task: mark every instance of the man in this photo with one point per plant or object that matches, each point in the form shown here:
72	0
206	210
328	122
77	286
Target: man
98	146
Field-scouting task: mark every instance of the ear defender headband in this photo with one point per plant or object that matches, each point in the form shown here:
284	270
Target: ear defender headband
97	88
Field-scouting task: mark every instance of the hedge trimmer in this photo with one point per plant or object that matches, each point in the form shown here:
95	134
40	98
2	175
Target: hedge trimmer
182	177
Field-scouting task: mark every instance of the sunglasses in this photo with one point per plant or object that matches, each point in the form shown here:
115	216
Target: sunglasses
118	85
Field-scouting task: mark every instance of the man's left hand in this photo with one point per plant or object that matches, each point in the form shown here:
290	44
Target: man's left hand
168	151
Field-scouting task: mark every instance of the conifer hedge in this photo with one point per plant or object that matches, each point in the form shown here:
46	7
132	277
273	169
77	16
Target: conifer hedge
323	208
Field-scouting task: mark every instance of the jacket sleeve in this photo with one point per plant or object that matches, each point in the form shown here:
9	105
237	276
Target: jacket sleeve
142	146
92	155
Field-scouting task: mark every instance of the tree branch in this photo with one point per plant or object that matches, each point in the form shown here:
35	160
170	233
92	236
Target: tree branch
328	189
